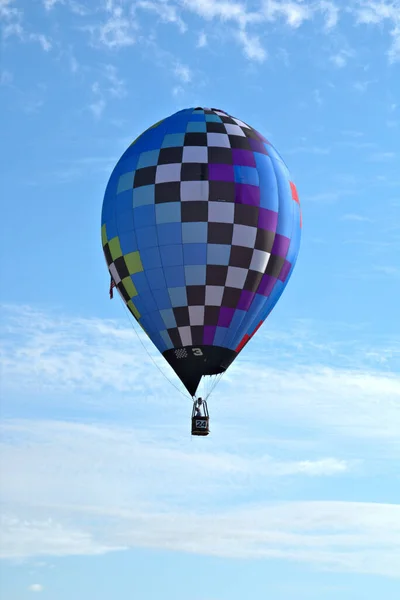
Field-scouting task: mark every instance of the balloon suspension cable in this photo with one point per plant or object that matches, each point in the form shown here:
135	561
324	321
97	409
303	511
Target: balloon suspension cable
149	355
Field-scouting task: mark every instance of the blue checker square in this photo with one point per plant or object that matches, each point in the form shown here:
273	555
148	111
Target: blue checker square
172	255
162	299
148	159
147	237
108	210
156	278
169	233
168	317
194	232
148	324
150	257
144	216
143	195
220	333
125	221
124	201
195	274
128	242
168	212
197	116
178	296
111	229
172	140
175	276
213	118
146	301
158	323
141	283
218	254
195	254
125	182
247	175
196	127
167	340
151	139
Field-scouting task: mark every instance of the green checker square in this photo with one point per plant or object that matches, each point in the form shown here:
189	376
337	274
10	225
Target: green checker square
115	248
104	239
133	262
129	287
133	309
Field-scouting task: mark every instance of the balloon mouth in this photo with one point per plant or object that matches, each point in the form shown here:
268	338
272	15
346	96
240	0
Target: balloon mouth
190	363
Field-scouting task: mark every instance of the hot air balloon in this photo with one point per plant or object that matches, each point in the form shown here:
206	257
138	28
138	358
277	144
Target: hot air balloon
201	231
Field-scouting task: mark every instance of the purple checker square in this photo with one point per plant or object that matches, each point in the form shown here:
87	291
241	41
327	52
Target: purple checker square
247	194
245	300
281	245
257	146
209	333
266	285
267	219
225	316
285	270
243	157
221	172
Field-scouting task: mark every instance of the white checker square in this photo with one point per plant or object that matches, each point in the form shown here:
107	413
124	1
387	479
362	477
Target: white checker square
221	212
214	295
259	261
114	274
236	277
220	113
234	129
239	122
244	235
195	154
196	315
194	190
186	335
171	172
220	140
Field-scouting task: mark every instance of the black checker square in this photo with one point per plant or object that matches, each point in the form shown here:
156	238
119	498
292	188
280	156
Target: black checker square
274	265
123	292
175	336
240	257
194	172
181	314
194	211
231	297
197	332
145	176
121	267
239	142
264	240
228	119
252	280
220	156
196	295
246	214
221	191
216	275
195	139
213	127
107	254
167	192
250	133
211	315
220	233
169	156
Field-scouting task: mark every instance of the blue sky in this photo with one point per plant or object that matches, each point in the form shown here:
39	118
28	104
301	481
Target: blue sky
296	492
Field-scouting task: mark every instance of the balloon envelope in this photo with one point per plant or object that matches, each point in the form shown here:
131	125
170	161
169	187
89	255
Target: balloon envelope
201	230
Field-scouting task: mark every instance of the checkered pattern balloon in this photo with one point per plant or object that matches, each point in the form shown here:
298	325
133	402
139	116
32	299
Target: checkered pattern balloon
200	230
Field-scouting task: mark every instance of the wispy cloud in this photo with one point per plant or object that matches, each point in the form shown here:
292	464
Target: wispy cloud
166	12
383	156
36	587
202	40
356	217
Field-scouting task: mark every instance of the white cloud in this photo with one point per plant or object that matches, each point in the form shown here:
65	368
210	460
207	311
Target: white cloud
183	73
202	40
168	13
252	46
36	587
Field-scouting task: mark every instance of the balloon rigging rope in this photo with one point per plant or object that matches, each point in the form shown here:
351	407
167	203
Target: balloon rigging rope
148	353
